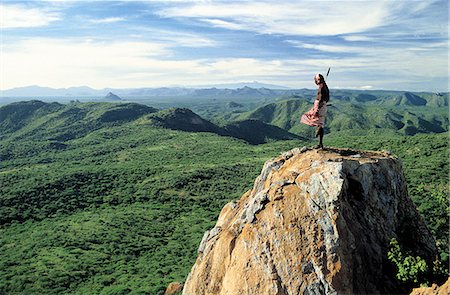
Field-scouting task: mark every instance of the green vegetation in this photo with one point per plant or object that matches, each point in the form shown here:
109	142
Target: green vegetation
96	199
344	115
122	208
257	132
252	131
414	269
409	268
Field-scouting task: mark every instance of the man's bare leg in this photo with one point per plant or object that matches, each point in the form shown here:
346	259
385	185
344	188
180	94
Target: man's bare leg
319	133
317	130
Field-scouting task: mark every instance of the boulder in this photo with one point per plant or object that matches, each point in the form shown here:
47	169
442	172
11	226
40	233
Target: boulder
315	222
433	290
174	288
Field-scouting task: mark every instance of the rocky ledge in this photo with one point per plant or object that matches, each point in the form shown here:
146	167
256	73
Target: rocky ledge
315	222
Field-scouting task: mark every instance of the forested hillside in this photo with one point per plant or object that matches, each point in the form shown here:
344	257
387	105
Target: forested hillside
102	198
345	115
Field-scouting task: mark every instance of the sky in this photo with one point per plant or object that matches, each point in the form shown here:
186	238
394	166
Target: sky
395	44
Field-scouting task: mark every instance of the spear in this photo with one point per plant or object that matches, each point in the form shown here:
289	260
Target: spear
325	79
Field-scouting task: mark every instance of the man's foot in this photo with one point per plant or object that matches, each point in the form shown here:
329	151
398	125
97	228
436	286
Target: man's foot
319	147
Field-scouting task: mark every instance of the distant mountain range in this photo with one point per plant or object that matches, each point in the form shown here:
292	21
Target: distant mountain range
253	84
35	91
85	91
254	91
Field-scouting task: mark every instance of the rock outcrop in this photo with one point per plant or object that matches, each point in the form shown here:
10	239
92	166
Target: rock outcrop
315	222
433	290
174	288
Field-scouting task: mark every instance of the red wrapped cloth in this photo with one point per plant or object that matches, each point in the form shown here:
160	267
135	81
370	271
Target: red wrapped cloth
316	115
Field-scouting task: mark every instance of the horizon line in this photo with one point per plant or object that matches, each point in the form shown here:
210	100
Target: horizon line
212	86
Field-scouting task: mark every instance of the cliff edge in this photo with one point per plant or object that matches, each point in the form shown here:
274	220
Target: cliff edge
315	222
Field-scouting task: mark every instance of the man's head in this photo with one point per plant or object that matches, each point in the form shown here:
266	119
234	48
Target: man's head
318	78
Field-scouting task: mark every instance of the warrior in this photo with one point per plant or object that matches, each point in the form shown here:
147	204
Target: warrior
316	115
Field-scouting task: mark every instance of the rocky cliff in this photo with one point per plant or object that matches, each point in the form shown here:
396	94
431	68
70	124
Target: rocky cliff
315	222
444	289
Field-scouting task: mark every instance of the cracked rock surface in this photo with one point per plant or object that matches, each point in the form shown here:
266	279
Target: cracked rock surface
315	222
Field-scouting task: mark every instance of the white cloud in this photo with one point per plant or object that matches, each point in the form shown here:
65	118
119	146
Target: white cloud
19	16
409	59
108	20
357	38
65	63
76	62
176	38
188	40
224	24
285	17
324	47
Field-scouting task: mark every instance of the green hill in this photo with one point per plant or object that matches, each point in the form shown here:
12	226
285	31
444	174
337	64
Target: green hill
344	115
16	115
51	125
121	207
283	114
410	99
252	131
436	99
390	98
36	119
257	132
59	123
183	119
365	97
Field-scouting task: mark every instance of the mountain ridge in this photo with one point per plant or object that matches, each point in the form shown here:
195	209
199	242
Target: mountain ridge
77	119
274	121
266	89
66	121
344	115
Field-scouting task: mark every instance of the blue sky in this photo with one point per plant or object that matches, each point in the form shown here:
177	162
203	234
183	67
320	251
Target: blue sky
400	45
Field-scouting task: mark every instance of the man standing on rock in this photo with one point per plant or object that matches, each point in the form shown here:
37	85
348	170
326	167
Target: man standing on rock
316	115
